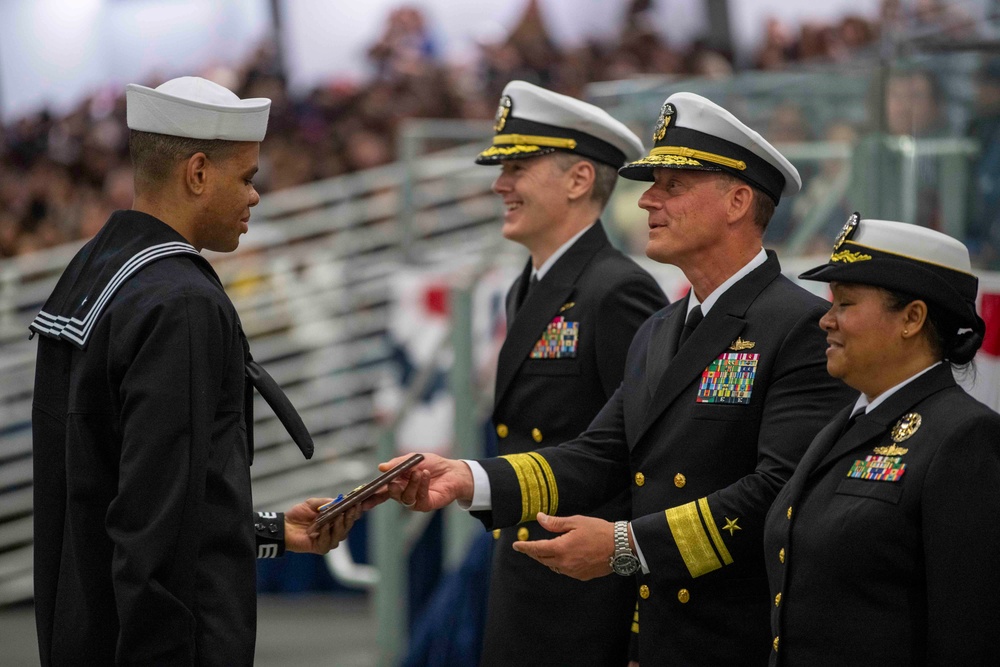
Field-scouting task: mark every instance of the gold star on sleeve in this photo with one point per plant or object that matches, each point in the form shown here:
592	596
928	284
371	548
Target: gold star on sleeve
731	525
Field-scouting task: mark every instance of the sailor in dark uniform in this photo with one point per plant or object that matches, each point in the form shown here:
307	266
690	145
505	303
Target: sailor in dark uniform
570	318
881	549
720	391
144	525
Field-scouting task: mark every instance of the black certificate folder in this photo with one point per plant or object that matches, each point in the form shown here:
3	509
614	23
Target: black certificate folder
335	508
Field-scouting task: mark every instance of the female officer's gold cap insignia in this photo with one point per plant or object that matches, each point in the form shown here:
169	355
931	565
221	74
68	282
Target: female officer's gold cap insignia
902	257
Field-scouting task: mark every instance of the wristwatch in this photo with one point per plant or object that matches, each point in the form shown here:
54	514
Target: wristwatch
623	561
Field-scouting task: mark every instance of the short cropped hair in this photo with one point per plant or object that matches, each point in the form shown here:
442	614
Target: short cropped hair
605	176
154	155
762	206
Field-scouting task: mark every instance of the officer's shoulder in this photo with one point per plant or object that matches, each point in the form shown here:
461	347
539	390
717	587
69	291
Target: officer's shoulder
612	265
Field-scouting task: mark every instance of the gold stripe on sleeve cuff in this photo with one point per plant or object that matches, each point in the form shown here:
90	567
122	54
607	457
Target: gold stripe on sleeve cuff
713	530
550	479
538	485
692	540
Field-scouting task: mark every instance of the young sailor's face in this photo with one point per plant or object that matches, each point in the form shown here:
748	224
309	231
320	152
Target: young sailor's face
231	195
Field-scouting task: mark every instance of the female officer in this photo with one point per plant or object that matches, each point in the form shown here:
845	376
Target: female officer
882	548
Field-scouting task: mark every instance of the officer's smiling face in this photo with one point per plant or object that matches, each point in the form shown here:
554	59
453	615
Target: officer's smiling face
861	332
533	192
686	215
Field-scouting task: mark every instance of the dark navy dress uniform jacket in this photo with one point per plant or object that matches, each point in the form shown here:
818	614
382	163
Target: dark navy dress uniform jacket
892	572
535	616
144	532
703	454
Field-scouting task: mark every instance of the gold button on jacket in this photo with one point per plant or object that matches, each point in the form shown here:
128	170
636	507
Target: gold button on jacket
640	479
644	592
502	430
781	555
777	599
683	595
522	533
680	480
536	435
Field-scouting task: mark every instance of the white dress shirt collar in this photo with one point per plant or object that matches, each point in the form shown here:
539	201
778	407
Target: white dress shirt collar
544	268
710	300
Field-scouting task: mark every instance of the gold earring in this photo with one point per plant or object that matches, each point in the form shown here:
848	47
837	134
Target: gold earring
906	332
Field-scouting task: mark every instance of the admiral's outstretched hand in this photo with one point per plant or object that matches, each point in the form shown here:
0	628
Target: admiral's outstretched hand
431	484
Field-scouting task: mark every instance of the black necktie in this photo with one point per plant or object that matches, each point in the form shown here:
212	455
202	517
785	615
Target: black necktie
851	422
693	319
527	292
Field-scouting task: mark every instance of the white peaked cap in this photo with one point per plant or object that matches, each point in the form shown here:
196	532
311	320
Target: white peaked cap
693	132
196	108
533	121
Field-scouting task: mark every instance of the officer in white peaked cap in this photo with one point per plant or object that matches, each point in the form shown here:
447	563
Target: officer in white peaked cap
575	308
894	500
145	537
721	390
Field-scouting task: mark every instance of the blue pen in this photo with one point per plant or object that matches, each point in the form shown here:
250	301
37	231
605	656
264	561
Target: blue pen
332	502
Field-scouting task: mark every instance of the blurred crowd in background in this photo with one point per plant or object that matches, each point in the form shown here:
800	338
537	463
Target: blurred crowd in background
61	176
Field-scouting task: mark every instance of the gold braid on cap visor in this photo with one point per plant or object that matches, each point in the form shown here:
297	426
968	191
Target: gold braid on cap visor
699	155
547	142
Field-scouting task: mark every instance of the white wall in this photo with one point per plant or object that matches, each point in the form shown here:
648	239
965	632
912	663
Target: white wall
53	52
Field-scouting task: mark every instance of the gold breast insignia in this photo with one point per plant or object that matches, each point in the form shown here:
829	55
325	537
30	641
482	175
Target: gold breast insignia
905	427
739	345
567	306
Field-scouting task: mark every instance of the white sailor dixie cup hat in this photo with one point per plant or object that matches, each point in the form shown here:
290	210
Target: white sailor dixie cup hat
693	132
534	121
196	108
906	258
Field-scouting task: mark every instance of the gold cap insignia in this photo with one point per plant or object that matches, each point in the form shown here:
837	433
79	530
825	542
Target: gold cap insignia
848	231
739	345
567	306
905	427
667	111
502	112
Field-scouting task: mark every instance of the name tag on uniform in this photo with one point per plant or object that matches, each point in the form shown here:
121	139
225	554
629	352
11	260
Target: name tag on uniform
729	379
878	469
559	340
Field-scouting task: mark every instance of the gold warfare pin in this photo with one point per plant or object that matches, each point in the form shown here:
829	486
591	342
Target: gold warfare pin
739	345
